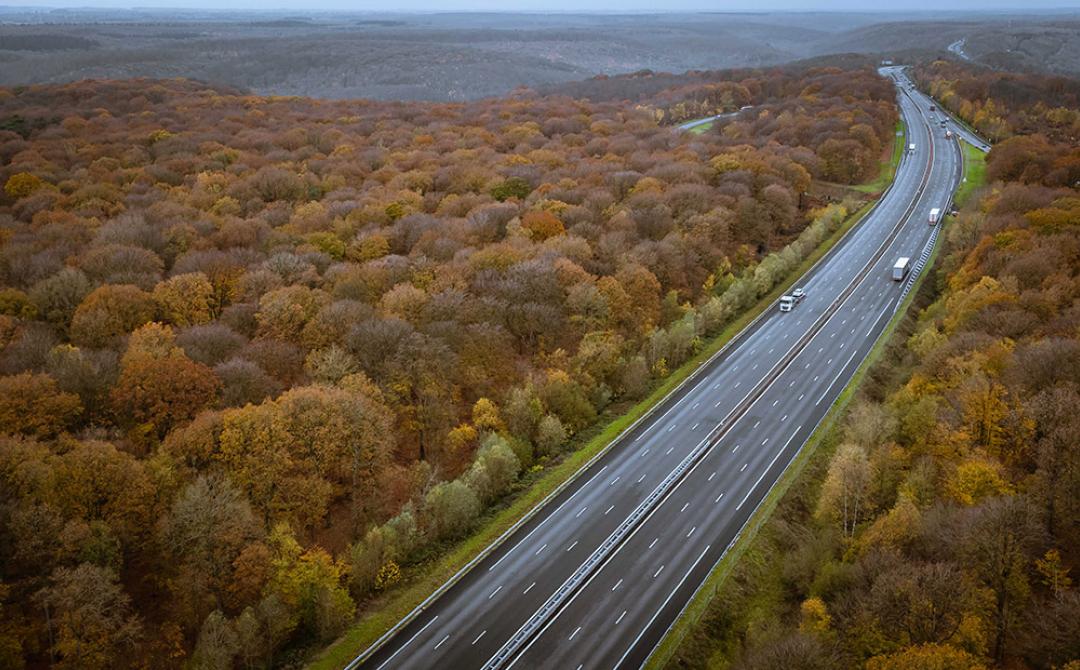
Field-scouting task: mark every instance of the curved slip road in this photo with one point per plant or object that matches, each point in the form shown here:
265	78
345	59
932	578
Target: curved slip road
729	432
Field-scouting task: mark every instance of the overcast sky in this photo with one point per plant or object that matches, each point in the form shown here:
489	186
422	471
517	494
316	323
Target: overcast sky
570	5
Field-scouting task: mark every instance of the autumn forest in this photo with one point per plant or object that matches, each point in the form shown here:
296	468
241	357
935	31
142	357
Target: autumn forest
938	526
262	358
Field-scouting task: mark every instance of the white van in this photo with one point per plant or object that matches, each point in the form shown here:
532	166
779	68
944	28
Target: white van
900	269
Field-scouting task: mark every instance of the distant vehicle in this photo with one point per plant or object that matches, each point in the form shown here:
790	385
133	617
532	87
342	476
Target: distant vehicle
944	123
948	134
933	108
787	303
798	294
935	214
911	148
899	270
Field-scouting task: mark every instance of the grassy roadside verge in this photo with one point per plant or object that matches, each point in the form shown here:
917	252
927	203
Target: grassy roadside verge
816	453
425	578
887	169
698	130
974	173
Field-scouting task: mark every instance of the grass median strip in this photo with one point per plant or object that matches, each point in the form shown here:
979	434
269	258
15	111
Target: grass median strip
422	580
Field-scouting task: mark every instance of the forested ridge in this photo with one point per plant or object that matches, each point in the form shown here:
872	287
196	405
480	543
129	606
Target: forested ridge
258	356
941	529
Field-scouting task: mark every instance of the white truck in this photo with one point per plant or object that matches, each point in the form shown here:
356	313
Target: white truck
788	302
911	148
900	269
935	215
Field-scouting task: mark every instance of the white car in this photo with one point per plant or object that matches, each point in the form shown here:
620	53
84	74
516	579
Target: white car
798	294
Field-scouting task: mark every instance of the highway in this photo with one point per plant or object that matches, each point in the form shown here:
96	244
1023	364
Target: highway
597	576
963	131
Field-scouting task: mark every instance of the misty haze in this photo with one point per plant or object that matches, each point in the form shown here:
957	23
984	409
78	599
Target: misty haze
733	336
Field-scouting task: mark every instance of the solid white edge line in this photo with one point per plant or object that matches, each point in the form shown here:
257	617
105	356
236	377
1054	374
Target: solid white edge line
767	468
661	609
383	664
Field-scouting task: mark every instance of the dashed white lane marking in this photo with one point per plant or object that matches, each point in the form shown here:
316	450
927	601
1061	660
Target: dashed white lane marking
581	511
443	640
775	402
500	585
691	531
479	636
528	589
657	573
617	585
543	547
416	635
735	449
609	509
695	405
784	418
653	542
736	385
573	545
574	633
718	498
767	468
671	428
641	479
711	477
669	451
685	505
765	441
613	481
743	467
620	617
694	427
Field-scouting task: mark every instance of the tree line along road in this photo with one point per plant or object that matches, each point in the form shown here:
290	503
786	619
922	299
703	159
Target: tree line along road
599	574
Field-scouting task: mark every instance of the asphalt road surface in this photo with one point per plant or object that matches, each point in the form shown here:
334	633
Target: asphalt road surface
595	579
964	133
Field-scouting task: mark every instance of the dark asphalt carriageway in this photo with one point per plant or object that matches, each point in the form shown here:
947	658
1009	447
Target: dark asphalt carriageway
781	374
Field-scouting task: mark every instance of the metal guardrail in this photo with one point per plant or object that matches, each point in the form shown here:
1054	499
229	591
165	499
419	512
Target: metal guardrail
928	248
514	645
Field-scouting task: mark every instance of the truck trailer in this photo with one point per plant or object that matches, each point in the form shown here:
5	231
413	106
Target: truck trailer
935	214
900	269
